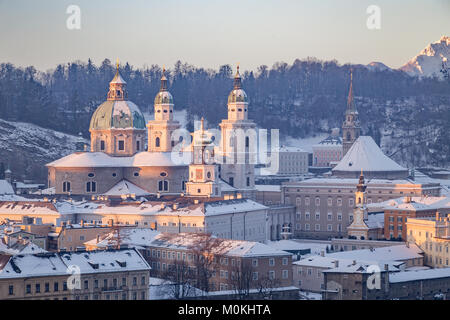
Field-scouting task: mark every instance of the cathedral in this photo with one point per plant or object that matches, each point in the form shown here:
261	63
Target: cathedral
128	156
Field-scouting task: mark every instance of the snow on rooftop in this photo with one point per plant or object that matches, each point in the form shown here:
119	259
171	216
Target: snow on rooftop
239	248
412	203
266	187
235	205
6	187
365	154
133	237
125	187
405	276
393	253
101	159
51	264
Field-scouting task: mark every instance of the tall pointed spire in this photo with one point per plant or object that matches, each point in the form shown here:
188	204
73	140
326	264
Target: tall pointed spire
117	86
350	100
237	79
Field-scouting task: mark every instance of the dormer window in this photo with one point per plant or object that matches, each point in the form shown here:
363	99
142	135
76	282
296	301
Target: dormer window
118	93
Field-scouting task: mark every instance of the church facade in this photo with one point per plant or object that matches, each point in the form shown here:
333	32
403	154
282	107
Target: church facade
128	156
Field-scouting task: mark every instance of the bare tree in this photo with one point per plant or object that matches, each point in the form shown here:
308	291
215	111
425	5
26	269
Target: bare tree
242	279
266	286
180	278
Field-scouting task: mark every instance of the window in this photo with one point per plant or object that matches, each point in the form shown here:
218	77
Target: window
248	181
298	201
231	181
86	284
339	202
285	274
102	145
317	215
138	145
271	262
307	226
124	281
307	215
134	281
121	145
11	290
255	262
56	287
330	202
91	186
307	201
163	185
285	261
317	227
157	142
91	174
271	275
255	276
330	216
38	287
66	186
317	201
329	227
47	287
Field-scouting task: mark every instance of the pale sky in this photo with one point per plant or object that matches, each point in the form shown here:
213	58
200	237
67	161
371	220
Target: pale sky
210	33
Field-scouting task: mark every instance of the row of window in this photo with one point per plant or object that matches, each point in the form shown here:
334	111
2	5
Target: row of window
38	289
298	226
91	186
307	217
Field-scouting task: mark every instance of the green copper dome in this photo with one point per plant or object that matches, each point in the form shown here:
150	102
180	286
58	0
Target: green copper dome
237	95
163	97
113	114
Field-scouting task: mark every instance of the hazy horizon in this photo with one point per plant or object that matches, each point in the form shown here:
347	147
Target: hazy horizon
212	33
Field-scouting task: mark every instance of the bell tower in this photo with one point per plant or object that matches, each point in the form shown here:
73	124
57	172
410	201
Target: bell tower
203	172
238	142
160	130
351	128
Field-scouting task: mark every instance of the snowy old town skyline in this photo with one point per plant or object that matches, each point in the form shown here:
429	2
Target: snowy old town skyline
129	174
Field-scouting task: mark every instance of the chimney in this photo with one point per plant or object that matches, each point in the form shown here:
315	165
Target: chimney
354	262
175	206
195	201
336	263
386	267
98	238
163	206
322	253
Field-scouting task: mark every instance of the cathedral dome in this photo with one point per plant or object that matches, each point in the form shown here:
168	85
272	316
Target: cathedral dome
113	114
163	97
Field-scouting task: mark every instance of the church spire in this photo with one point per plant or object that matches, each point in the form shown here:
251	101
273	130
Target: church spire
350	100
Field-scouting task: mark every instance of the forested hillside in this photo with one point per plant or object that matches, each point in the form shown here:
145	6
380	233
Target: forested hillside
408	116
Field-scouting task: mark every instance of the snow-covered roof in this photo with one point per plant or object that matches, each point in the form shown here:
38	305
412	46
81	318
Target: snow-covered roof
57	263
133	237
101	159
365	154
19	247
351	182
392	253
266	187
28	207
6	187
290	149
125	187
237	248
229	206
291	245
419	275
412	203
375	221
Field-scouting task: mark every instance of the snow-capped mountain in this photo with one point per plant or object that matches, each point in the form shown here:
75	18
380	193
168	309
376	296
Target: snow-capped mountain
428	62
377	66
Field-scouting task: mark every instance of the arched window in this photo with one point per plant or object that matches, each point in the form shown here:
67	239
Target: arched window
247	142
349	136
91	186
157	142
66	186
